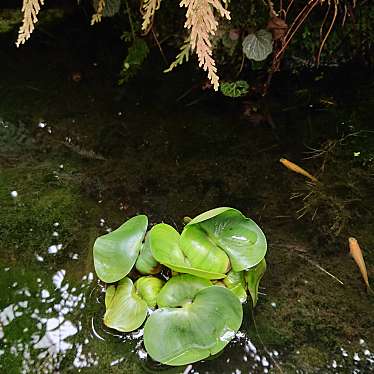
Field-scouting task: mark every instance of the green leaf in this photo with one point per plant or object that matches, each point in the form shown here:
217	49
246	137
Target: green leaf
166	249
202	252
257	46
181	289
253	277
148	289
235	282
146	263
109	295
234	89
240	292
240	237
179	336
126	311
208	215
115	253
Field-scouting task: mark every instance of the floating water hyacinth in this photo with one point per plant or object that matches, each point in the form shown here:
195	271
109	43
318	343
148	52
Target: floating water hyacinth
216	263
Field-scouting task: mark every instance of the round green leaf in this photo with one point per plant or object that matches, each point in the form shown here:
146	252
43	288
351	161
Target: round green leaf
181	289
146	263
253	277
166	249
240	237
179	336
257	46
115	253
126	310
148	289
202	252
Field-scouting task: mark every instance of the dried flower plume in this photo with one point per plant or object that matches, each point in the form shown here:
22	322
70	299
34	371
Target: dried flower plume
99	12
148	10
30	10
203	25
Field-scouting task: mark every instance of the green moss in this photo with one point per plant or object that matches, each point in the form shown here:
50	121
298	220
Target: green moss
45	204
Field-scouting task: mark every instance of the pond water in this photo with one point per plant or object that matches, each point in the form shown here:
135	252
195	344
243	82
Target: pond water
79	158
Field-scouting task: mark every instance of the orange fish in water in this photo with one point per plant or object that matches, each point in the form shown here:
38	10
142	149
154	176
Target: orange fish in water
356	253
297	169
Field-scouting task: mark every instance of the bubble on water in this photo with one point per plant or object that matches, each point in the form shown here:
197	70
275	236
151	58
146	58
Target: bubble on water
39	258
44	294
55	234
264	361
366	352
14	194
42	124
273	304
362	341
356	357
56	224
54	248
58	278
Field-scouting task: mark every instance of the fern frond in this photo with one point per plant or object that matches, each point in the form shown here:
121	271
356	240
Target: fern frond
30	10
203	24
148	10
182	56
96	18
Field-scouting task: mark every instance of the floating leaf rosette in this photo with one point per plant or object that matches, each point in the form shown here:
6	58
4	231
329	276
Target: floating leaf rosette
214	263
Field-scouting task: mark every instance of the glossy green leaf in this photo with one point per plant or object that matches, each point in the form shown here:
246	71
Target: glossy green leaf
202	252
115	253
148	289
109	295
257	46
240	292
235	282
253	277
234	278
166	249
208	215
181	289
126	311
146	263
179	336
240	237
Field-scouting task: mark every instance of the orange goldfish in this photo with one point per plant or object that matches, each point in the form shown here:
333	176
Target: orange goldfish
297	169
356	253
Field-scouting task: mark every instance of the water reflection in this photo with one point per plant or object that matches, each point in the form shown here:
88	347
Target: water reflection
55	325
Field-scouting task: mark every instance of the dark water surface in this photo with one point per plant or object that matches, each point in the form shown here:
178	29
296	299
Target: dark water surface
79	158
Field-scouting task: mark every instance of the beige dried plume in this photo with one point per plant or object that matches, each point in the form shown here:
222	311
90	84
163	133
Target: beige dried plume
148	10
30	10
203	25
99	12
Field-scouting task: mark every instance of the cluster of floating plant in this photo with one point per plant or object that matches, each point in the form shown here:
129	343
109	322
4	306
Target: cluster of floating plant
189	285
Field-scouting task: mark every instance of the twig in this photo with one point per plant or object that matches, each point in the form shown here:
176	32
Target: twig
328	31
159	47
